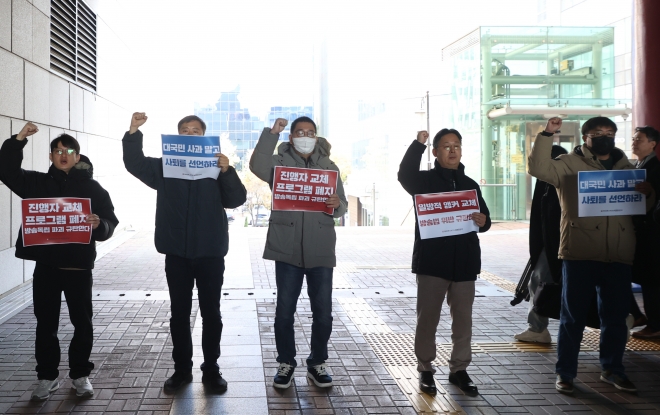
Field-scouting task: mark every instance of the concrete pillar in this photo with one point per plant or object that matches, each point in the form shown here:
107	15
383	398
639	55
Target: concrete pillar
487	170
646	108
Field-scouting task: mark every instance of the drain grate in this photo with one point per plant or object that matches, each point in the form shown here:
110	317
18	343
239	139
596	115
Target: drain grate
498	281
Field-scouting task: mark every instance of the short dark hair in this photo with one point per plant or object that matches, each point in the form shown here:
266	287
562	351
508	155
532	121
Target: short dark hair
593	123
302	119
651	133
67	141
190	118
557	151
443	133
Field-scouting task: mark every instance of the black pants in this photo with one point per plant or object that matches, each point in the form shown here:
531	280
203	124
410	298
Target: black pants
47	288
181	276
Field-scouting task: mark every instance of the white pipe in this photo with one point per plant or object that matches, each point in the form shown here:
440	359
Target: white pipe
549	112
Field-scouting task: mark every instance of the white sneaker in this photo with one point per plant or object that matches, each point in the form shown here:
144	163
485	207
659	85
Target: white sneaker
82	387
531	336
44	389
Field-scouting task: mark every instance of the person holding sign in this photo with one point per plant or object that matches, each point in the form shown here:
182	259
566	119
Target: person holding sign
597	251
301	242
646	271
191	230
60	266
445	265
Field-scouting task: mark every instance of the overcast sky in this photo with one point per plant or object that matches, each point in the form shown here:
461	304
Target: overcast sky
191	51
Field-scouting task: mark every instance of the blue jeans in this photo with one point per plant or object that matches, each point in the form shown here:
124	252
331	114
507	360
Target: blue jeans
289	280
612	283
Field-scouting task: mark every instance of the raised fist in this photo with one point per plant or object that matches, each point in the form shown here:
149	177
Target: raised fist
553	125
137	120
27	130
422	136
279	126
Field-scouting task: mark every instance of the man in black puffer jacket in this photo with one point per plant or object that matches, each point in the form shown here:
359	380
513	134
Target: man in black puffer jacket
191	230
444	266
64	267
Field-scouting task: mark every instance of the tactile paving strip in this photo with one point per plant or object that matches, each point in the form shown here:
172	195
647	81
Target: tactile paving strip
498	281
398	349
591	338
363	316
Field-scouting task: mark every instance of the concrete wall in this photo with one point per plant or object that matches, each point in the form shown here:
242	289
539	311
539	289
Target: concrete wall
29	91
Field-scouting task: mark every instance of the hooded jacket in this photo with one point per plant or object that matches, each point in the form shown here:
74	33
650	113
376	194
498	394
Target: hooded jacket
598	238
303	239
191	221
457	257
28	184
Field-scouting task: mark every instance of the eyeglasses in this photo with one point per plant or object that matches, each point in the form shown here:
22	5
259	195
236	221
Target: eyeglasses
600	134
67	151
303	133
456	147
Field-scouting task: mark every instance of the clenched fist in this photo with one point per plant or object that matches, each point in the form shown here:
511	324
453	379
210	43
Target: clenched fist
422	136
137	120
553	125
279	126
223	162
27	130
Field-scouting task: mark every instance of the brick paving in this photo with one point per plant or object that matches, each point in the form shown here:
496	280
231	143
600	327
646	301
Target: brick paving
132	348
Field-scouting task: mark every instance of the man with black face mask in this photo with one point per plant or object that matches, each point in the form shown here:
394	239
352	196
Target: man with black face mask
597	252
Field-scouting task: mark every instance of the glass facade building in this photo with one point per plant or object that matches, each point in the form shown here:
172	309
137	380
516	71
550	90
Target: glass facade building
506	83
227	118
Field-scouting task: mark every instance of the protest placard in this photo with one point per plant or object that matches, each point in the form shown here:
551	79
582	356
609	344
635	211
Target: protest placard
610	193
300	189
49	221
190	157
446	214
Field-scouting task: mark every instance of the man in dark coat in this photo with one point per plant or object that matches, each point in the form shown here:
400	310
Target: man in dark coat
61	267
646	271
544	222
446	265
191	230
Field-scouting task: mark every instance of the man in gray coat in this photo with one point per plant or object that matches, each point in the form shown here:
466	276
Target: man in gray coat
301	244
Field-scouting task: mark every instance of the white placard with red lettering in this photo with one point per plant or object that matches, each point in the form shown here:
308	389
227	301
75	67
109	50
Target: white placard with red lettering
50	221
299	189
446	214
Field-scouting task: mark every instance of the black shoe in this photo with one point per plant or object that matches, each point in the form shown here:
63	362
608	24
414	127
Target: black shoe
463	381
319	376
564	385
214	381
284	376
427	383
177	380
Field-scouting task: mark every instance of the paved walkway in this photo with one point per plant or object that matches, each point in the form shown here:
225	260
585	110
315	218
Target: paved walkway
371	356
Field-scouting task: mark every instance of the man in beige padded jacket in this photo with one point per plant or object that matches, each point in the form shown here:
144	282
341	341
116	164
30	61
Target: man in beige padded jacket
597	252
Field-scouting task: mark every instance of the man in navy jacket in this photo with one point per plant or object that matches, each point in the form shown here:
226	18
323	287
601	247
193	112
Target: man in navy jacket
64	267
191	230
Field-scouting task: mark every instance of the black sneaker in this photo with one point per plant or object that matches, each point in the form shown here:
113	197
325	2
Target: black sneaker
177	380
564	385
319	376
463	381
621	382
284	376
214	381
427	383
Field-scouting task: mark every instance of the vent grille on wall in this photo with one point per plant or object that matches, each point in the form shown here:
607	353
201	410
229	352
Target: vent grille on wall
73	41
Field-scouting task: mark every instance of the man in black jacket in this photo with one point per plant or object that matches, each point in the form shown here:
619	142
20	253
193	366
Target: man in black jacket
444	266
63	267
191	230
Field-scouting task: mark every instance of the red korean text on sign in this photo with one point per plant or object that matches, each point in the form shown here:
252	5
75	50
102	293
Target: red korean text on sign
50	221
446	202
299	189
